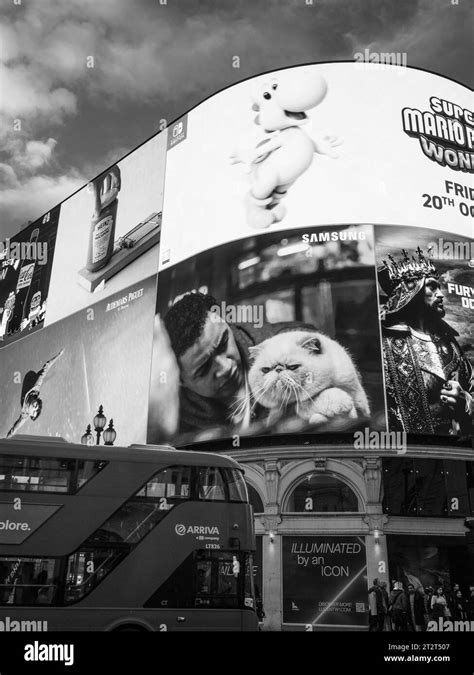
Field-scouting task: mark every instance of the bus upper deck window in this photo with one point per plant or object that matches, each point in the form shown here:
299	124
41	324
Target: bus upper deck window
87	469
171	482
211	485
45	474
236	485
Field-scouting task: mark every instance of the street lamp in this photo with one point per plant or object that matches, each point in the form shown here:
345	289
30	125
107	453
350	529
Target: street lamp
99	423
87	438
110	434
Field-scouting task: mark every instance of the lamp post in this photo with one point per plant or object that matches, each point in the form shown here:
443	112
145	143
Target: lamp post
99	422
110	434
87	438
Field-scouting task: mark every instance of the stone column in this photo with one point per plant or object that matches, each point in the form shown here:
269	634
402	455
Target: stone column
375	541
272	576
272	600
377	559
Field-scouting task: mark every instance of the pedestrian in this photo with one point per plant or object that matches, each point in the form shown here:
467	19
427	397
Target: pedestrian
416	609
470	604
376	610
459	607
386	603
398	607
452	596
439	605
428	595
259	604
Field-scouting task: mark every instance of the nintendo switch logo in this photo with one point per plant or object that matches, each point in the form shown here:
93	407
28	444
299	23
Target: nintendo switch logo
177	132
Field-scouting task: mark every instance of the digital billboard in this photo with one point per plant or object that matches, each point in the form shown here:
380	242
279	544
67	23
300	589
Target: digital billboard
324	581
426	284
272	334
309	233
55	382
25	270
109	231
288	223
319	145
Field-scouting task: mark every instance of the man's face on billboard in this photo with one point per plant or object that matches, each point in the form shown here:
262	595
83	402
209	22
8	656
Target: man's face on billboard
433	298
212	367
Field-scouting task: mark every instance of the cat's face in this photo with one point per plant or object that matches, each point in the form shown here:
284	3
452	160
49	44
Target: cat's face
291	368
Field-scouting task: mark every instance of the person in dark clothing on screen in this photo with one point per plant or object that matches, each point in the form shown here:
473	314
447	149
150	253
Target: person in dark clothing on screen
213	358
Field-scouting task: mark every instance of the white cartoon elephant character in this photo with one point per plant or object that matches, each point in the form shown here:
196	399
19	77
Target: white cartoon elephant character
287	151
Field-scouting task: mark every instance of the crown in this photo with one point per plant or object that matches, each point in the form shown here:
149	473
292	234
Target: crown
408	268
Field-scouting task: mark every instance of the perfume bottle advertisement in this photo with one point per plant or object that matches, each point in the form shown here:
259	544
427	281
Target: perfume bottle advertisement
109	231
54	383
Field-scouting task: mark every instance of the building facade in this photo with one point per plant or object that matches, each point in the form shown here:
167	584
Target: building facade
272	302
307	497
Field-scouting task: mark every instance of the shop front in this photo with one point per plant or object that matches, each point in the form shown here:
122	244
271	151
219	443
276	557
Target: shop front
328	526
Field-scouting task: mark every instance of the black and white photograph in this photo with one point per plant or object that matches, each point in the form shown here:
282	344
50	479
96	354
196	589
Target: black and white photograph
26	263
109	231
319	144
236	336
53	384
271	334
425	279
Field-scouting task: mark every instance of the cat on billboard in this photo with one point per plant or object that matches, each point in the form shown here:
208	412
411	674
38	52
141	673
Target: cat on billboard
239	375
428	378
269	335
286	150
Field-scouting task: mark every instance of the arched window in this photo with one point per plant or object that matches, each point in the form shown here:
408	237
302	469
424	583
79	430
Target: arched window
319	493
255	499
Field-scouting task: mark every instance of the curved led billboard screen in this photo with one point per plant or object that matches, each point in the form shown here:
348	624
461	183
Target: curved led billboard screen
316	270
311	233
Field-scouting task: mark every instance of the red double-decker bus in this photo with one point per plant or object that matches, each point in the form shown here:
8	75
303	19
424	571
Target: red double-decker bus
108	538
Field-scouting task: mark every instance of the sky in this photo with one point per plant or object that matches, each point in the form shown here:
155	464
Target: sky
62	121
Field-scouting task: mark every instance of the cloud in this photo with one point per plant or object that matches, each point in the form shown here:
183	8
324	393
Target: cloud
25	158
33	94
37	153
436	36
8	177
33	197
153	61
28	156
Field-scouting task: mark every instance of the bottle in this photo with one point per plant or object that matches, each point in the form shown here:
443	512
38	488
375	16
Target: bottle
7	315
102	231
23	286
32	309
